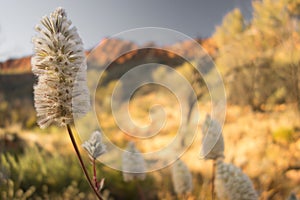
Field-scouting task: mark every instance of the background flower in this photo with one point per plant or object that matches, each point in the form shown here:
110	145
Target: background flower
94	145
182	178
133	165
213	142
232	184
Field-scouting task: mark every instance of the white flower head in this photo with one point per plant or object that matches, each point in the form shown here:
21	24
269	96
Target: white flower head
94	145
232	184
182	178
59	62
133	165
213	142
292	197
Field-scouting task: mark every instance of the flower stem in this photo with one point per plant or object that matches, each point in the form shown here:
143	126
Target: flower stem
81	162
140	190
213	181
95	175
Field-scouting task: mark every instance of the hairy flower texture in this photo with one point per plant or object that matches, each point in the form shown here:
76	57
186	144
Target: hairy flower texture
59	62
133	165
232	184
94	145
182	178
213	142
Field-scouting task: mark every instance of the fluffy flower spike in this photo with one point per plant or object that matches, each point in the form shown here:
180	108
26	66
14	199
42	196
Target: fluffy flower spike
133	165
94	145
182	178
232	184
292	197
59	63
213	143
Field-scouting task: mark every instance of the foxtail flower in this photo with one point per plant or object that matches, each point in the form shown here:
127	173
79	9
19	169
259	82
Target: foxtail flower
232	184
182	178
292	197
59	62
213	142
133	165
94	145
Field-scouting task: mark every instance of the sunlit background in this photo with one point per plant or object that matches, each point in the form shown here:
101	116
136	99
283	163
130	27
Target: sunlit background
98	19
254	45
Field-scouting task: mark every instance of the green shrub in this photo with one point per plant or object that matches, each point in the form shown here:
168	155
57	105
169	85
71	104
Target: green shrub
37	167
8	191
50	175
283	134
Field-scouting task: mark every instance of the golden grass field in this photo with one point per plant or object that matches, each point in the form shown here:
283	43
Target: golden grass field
266	146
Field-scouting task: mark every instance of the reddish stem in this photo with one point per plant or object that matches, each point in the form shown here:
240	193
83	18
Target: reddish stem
81	162
95	175
213	181
140	190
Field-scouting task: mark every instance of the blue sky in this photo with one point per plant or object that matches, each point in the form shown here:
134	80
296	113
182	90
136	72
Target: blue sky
96	19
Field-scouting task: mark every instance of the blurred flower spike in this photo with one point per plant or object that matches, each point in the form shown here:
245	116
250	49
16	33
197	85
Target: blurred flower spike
213	142
182	178
133	165
232	183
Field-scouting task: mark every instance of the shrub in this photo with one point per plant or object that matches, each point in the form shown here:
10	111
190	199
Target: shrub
283	135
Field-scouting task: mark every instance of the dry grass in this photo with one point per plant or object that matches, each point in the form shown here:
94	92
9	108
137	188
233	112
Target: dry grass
273	165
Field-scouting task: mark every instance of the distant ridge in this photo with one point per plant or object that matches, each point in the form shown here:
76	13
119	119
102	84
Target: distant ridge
17	80
109	52
16	66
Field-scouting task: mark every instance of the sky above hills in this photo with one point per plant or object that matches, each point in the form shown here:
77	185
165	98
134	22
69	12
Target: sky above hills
96	19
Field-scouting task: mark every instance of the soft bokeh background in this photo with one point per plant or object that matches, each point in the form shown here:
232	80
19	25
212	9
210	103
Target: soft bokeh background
255	45
97	19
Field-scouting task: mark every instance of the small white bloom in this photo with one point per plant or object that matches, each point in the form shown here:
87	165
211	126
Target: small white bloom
59	63
292	197
182	178
94	145
213	143
232	184
133	165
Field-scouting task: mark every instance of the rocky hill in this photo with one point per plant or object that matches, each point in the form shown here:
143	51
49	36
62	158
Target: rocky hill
17	80
16	66
110	50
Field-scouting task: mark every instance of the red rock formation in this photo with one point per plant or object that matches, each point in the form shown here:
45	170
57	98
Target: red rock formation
110	51
21	65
